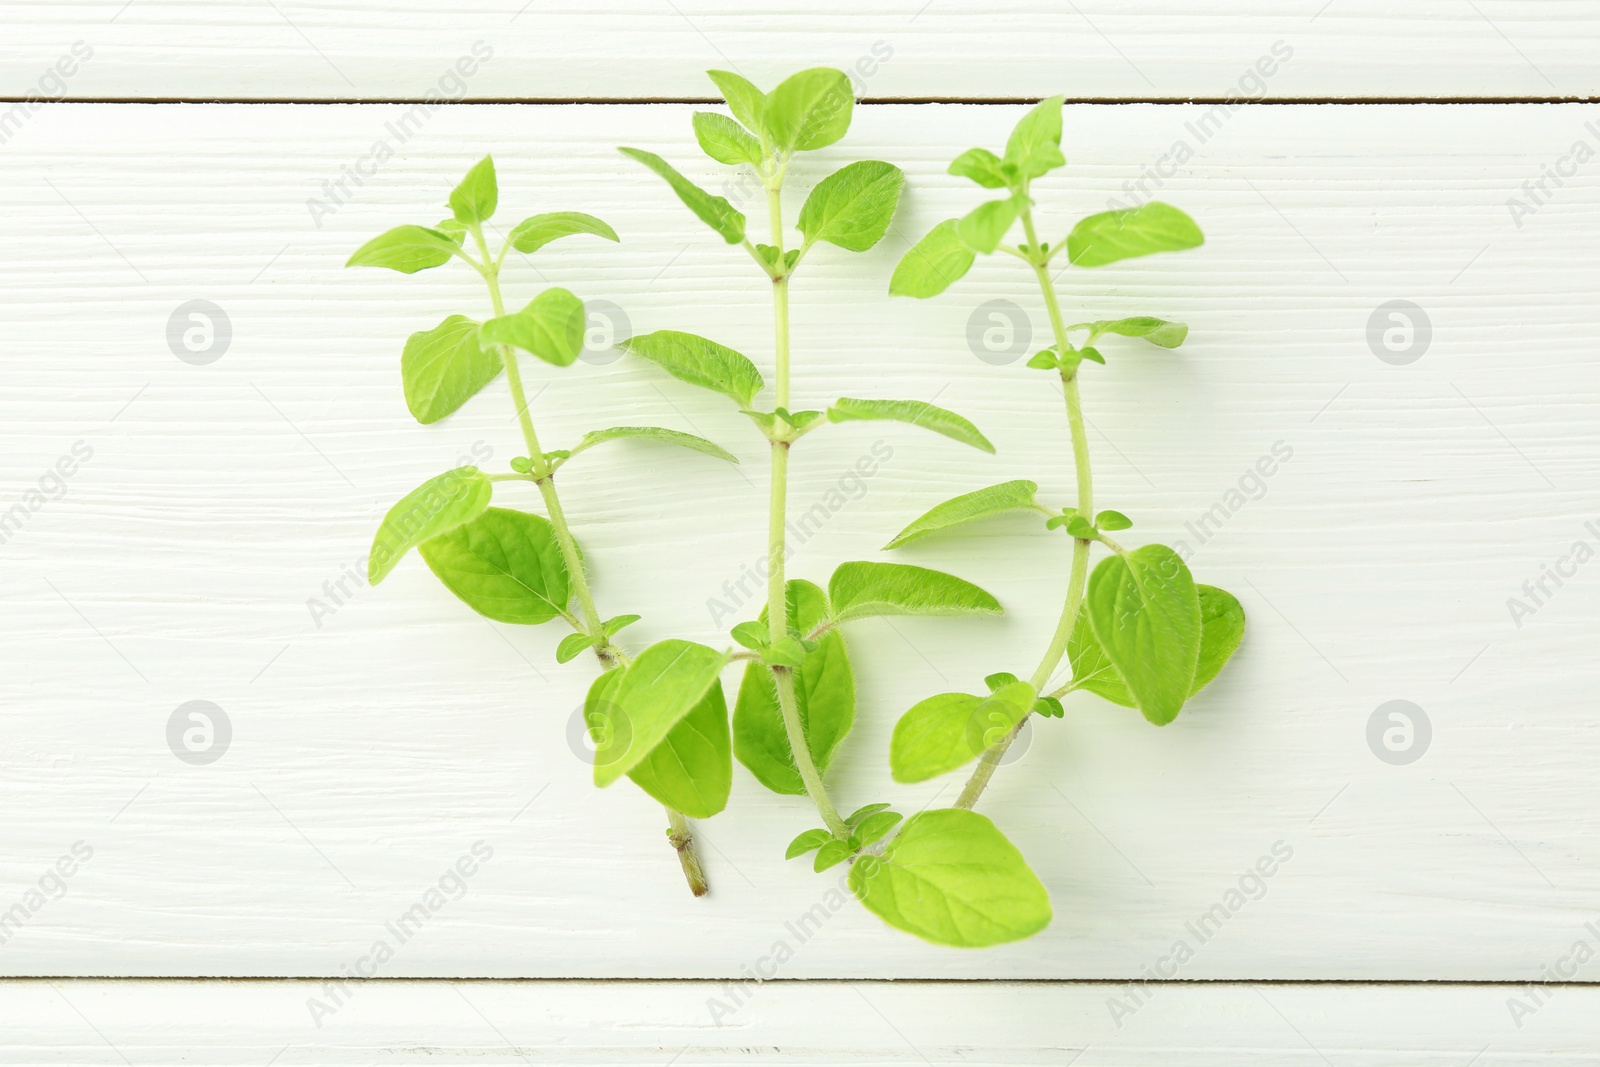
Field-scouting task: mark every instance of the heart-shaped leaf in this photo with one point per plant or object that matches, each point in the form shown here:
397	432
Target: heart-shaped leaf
439	504
506	565
444	367
1144	610
950	877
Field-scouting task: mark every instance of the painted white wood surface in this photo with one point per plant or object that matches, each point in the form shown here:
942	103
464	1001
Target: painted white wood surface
372	752
366	49
655	1023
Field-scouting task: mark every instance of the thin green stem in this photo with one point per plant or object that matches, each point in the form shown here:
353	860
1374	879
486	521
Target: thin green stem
610	656
678	833
541	471
777	519
1078	578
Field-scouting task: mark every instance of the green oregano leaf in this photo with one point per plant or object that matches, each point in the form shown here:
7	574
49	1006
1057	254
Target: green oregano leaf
831	854
611	626
658	690
915	412
657	435
853	206
1145	613
691	770
747	103
809	110
724	140
1156	331
786	651
933	264
506	565
714	211
439	504
444	367
534	232
551	327
1222	624
1081	528
1046	359
1034	148
984	227
699	361
1128	232
474	200
865	589
572	646
982	166
855	817
752	635
406	249
969	507
952	878
825	691
809	841
950	730
1221	630
1112	521
874	827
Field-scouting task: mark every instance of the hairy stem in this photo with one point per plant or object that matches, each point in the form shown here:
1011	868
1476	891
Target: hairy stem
682	840
1079	576
777	518
609	655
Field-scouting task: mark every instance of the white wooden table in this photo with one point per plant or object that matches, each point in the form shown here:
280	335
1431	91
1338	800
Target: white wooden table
1427	905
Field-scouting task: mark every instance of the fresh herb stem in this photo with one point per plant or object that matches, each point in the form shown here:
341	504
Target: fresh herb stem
789	703
542	474
610	655
1079	576
777	519
679	835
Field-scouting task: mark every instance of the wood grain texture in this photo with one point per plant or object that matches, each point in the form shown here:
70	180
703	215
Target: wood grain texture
1096	49
371	751
654	1023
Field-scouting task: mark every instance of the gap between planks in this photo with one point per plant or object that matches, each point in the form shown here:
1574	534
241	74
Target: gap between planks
556	101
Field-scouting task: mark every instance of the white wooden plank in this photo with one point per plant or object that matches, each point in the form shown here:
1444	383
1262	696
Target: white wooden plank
1096	49
654	1023
372	752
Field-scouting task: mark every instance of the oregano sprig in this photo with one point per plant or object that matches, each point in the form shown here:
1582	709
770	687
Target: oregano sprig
797	702
507	564
1138	631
